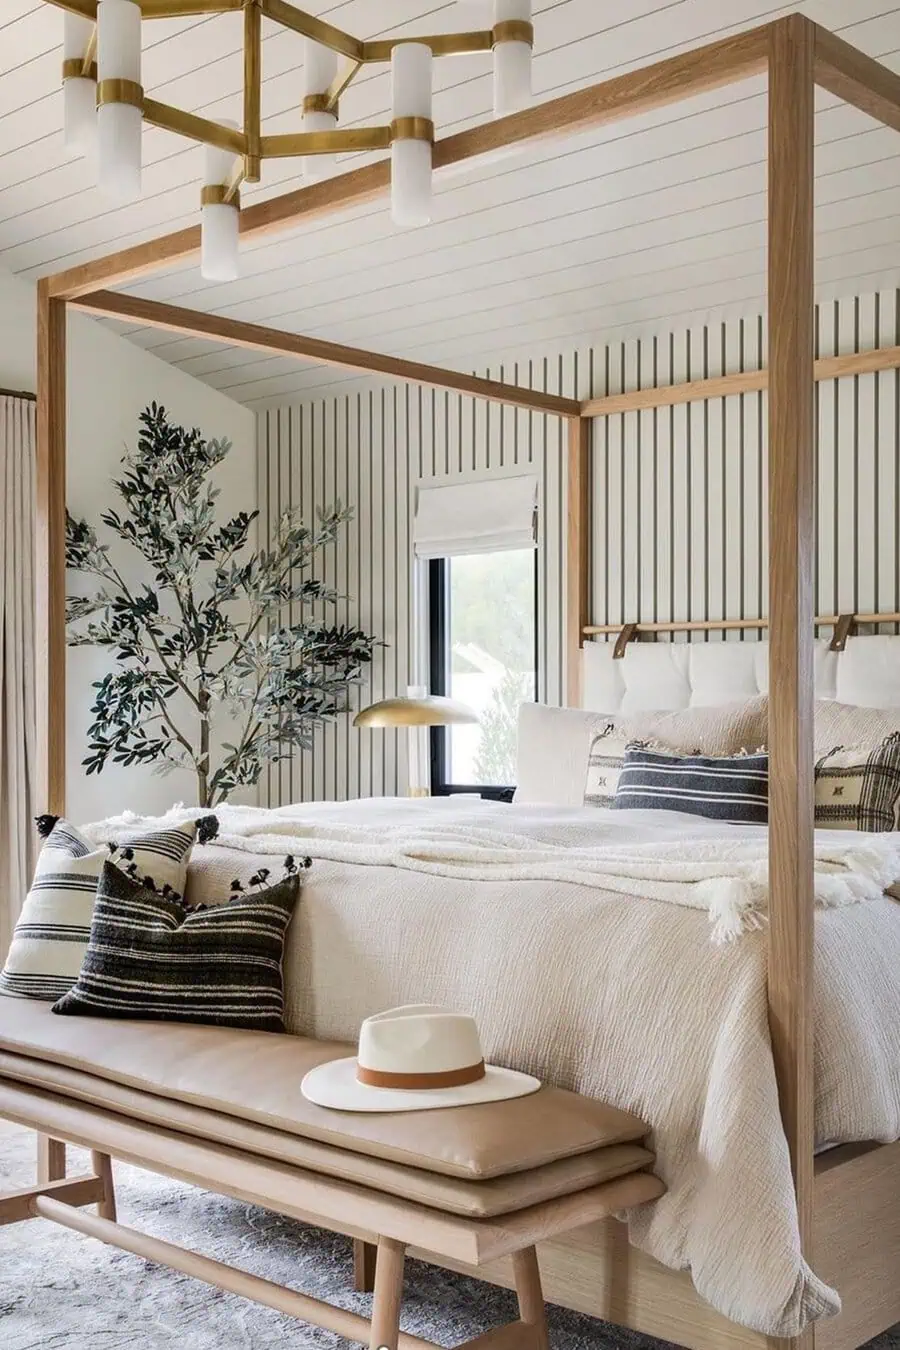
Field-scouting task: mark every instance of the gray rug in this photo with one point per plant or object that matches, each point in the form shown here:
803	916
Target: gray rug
60	1291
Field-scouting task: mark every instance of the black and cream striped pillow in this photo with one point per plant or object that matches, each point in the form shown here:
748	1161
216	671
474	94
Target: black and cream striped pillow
52	931
150	958
860	789
732	788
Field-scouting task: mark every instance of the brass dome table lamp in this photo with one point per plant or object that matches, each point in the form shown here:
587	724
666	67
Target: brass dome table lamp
417	710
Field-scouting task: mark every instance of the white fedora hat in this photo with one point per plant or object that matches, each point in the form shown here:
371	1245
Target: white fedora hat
416	1058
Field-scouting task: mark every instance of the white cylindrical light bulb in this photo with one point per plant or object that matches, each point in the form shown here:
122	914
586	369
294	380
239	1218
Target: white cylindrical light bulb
119	124
219	221
79	91
319	69
411	64
512	60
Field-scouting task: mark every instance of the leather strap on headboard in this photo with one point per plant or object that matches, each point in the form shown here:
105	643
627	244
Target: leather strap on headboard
843	629
622	641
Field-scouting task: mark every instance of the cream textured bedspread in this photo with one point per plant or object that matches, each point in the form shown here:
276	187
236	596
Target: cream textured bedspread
616	997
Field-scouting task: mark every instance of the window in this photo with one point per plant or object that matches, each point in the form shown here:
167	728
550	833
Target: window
483	630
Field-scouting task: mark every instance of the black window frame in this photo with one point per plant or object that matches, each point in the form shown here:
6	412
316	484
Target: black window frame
439	681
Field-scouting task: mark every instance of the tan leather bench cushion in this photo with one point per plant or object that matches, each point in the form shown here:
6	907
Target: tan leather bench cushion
255	1076
452	1195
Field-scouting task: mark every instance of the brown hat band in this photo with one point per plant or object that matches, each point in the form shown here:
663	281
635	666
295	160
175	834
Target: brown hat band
421	1082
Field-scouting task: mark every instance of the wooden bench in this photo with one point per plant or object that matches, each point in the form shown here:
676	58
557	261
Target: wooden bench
466	1185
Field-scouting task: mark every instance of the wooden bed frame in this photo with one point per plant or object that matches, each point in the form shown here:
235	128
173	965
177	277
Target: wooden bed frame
849	1206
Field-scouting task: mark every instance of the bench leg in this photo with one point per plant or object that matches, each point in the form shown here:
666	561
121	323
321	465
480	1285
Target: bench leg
51	1159
102	1165
364	1254
388	1295
532	1309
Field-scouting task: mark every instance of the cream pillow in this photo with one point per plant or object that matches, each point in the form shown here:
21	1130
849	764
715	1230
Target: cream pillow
845	725
568	757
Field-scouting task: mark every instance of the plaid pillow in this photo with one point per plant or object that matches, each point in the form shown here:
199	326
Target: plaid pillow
860	789
152	959
52	932
733	788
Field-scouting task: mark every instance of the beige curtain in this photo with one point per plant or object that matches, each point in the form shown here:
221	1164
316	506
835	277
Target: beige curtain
17	448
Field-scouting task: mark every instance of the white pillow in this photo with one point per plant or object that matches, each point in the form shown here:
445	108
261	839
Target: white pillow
554	745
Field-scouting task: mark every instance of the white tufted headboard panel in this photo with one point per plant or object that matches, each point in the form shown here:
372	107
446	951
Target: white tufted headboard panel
666	676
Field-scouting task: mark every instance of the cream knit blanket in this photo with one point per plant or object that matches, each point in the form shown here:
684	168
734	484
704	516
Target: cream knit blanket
722	869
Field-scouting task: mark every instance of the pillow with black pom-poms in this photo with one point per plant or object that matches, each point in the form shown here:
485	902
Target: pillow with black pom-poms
52	932
152	958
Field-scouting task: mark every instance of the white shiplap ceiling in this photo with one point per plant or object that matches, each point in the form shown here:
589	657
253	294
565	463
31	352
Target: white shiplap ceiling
564	245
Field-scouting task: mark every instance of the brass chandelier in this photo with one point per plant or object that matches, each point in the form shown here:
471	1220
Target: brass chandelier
106	106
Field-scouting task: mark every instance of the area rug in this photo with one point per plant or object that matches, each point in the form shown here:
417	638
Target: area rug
61	1291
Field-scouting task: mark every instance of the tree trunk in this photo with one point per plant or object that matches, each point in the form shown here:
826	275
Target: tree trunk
203	759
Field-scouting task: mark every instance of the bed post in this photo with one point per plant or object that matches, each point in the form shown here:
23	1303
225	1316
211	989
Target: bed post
578	550
792	475
50	597
50	550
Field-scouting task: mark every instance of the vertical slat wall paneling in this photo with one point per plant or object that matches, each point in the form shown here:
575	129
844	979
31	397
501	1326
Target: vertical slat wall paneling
678	529
359	744
631	488
733	494
551	544
697	580
286	449
662	497
264	536
847	482
887	442
682	515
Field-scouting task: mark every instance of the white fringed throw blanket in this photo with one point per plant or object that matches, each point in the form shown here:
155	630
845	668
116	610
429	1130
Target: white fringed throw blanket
722	869
546	925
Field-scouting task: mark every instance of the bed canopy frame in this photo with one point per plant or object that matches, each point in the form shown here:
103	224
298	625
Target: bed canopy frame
797	56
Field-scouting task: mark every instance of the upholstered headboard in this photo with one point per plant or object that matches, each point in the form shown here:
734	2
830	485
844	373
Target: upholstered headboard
671	675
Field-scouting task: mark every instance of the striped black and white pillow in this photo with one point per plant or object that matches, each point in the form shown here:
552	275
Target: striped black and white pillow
733	788
52	931
150	958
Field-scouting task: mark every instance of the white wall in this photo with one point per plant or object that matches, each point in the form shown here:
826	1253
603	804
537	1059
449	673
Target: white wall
109	382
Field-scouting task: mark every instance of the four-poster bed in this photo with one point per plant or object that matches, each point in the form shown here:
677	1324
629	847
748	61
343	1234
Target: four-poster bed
847	1207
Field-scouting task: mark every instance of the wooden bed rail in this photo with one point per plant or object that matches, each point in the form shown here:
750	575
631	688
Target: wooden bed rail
738	382
843	624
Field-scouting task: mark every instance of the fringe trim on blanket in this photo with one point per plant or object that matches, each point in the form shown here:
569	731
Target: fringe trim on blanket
737	905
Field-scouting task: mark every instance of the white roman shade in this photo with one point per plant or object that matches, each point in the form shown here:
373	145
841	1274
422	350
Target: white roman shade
477	517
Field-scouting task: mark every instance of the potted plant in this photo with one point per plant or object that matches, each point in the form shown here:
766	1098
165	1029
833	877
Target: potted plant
214	628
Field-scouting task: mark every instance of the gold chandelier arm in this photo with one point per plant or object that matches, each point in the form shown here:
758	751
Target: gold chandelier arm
252	89
412	129
279	11
76	68
183	9
441	44
341	141
89	60
339	84
86	8
195	128
232	187
513	30
155	9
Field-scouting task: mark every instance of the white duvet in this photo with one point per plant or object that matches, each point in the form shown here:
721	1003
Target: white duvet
540	922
